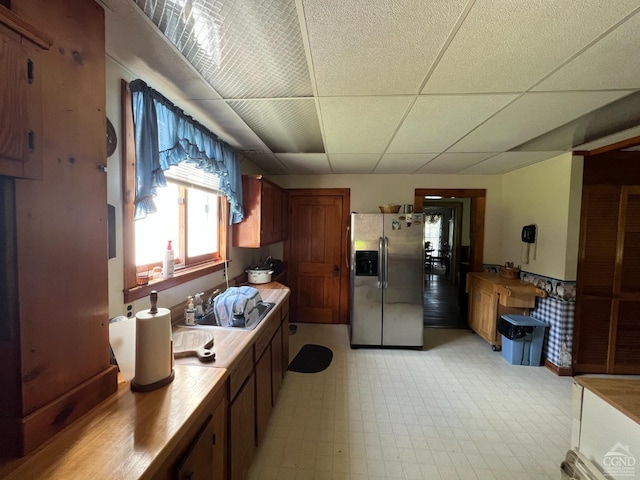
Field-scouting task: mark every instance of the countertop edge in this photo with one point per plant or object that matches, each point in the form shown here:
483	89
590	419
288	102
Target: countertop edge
621	393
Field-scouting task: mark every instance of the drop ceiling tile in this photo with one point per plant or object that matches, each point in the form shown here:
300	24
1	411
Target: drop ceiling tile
436	122
361	124
403	162
613	62
286	126
452	163
508	161
267	162
305	163
530	116
353	163
509	45
244	48
378	47
226	124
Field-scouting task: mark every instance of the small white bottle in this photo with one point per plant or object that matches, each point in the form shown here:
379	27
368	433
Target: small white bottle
190	313
168	262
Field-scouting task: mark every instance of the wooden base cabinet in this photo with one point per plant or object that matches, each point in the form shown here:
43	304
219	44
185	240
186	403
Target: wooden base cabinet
206	456
491	296
242	421
254	388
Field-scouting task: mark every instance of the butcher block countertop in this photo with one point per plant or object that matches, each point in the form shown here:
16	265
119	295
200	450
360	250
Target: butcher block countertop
129	435
621	393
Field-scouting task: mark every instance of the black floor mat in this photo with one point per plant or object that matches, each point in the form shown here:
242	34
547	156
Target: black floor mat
311	359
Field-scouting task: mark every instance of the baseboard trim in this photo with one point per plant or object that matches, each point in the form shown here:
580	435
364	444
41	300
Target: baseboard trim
560	371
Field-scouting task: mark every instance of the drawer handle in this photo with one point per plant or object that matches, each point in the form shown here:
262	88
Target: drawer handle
30	75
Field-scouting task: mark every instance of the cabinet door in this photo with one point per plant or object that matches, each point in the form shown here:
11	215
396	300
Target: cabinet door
220	441
606	334
242	419
263	393
198	461
285	338
276	365
487	313
20	108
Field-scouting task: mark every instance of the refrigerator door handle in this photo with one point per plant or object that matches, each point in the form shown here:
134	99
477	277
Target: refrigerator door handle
386	262
379	283
347	251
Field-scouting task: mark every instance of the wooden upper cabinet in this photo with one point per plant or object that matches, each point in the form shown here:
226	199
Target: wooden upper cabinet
20	98
264	206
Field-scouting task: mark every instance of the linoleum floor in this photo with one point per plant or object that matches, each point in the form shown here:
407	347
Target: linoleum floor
455	410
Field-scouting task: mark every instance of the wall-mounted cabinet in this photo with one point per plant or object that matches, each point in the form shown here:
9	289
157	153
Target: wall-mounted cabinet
265	205
20	97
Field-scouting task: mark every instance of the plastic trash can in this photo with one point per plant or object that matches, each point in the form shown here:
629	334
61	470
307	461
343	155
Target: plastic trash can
522	339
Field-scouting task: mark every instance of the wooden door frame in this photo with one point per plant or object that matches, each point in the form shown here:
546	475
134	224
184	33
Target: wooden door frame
345	193
478	204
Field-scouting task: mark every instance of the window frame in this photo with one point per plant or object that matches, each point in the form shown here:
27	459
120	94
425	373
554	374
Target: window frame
182	275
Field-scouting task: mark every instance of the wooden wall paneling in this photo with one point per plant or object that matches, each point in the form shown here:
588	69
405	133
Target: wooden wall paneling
61	227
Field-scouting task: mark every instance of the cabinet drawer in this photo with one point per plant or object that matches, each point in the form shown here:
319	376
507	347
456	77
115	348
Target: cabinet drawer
240	373
273	322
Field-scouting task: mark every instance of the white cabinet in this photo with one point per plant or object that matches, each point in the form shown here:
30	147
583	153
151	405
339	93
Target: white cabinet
606	431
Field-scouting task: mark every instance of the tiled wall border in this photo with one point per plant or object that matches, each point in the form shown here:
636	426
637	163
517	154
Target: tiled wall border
557	310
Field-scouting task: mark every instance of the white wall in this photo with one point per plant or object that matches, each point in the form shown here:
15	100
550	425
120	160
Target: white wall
369	191
240	258
546	194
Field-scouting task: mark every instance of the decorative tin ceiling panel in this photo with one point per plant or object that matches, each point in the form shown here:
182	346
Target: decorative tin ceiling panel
243	48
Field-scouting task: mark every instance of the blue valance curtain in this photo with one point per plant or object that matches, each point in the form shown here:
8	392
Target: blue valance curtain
165	136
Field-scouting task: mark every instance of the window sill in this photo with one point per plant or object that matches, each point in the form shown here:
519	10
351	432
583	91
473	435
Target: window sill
181	276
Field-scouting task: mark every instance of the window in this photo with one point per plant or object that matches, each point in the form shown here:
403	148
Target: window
433	231
191	211
189	217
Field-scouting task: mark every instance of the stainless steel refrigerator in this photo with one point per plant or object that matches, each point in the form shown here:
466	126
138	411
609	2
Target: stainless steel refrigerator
387	280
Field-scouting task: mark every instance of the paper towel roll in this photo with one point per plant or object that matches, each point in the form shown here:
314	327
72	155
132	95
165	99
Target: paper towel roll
154	356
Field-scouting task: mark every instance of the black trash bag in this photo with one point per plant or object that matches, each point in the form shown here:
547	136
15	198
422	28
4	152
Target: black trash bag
511	331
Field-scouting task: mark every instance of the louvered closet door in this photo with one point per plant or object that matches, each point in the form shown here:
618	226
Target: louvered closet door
626	331
607	329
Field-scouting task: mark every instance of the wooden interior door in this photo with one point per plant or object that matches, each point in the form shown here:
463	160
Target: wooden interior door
316	252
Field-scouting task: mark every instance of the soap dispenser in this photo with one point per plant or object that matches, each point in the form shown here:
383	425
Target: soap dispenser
168	262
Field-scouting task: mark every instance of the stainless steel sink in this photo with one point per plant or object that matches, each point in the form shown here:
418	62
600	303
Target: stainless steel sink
263	309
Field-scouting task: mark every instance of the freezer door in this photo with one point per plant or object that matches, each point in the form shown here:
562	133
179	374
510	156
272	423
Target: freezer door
366	290
403	309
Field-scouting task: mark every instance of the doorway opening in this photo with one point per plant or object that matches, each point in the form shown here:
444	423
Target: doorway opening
454	239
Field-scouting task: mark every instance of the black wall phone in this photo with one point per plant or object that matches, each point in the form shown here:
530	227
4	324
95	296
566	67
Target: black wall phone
529	234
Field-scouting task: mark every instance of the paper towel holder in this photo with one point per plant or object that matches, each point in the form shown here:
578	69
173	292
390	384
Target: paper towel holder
148	387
